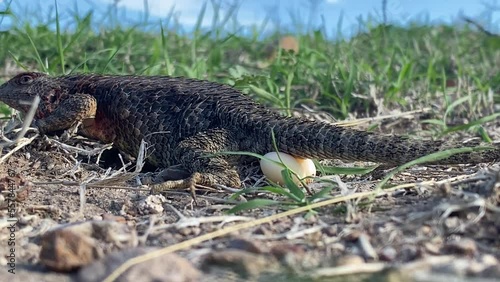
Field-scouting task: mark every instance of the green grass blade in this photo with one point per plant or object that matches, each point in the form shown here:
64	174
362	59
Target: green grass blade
37	55
431	158
266	95
323	193
480	121
60	49
290	184
199	20
166	57
453	105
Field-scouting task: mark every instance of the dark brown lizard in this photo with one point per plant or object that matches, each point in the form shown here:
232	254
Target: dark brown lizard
184	119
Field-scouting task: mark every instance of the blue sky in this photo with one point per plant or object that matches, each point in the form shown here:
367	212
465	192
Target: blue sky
311	13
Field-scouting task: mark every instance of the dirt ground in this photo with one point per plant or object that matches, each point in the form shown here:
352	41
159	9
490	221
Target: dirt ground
444	224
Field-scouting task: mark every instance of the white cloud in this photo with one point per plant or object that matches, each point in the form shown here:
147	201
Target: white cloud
158	7
186	11
332	1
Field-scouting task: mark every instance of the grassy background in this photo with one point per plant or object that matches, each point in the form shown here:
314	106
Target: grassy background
453	69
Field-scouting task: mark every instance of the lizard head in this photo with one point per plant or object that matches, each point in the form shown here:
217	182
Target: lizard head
20	91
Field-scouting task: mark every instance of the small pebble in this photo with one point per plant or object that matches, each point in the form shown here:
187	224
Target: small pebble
350	260
388	254
463	246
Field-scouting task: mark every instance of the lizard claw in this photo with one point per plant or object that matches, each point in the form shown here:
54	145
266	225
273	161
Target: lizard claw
178	184
230	178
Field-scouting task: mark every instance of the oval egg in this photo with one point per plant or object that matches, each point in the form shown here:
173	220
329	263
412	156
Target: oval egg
307	168
272	171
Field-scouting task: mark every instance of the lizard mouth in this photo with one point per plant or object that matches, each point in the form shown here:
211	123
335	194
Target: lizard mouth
26	105
22	105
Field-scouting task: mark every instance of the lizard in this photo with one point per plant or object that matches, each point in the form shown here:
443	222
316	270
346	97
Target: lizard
184	119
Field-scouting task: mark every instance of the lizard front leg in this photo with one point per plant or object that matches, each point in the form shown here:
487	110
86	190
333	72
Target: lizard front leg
69	112
208	171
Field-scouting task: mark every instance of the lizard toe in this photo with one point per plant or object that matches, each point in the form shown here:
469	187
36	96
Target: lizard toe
228	178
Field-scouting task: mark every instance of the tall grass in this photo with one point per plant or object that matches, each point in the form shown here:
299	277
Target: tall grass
407	68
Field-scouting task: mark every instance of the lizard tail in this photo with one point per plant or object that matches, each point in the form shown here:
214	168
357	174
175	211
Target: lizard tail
309	139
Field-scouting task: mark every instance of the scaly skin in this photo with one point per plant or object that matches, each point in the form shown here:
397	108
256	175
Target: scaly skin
183	119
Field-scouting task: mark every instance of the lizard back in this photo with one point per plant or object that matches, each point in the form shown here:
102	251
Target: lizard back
164	111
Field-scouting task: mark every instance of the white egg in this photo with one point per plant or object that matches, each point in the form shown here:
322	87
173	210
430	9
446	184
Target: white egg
307	167
303	167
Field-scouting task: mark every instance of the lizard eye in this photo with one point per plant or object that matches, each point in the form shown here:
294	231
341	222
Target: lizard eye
25	79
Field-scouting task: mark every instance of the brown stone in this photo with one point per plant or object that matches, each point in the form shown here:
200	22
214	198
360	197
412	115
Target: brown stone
65	250
168	267
74	245
463	246
246	264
